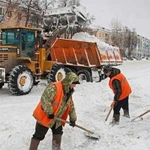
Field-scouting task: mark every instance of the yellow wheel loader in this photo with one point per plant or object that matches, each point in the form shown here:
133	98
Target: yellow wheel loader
22	62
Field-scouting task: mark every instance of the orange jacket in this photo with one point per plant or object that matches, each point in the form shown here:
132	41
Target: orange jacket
42	117
126	89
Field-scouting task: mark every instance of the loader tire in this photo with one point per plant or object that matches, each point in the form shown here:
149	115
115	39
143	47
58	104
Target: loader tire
57	73
1	85
84	75
20	80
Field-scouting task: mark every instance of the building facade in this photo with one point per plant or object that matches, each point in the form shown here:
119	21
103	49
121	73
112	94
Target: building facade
104	35
100	32
12	15
143	47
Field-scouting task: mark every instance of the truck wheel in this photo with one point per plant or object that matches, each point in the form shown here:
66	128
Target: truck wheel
20	80
57	73
1	85
84	75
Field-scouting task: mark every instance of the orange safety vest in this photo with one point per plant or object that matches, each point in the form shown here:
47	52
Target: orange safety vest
126	89
42	117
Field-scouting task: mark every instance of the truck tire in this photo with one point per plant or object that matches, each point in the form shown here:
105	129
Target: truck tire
84	75
1	85
57	73
20	80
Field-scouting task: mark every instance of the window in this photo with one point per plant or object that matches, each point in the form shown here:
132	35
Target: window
30	39
4	38
106	37
19	16
10	37
99	34
30	43
1	11
9	14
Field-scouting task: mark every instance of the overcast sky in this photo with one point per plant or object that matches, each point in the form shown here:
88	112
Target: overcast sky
131	13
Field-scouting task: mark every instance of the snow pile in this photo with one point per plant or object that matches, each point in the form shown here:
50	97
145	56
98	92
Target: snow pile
104	48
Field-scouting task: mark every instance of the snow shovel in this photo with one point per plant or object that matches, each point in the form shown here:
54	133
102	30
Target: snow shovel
88	133
141	115
111	108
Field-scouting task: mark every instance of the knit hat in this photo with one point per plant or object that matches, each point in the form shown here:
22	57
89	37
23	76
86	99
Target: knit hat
107	69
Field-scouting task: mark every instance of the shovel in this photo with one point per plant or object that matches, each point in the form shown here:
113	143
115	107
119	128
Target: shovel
88	133
109	113
141	115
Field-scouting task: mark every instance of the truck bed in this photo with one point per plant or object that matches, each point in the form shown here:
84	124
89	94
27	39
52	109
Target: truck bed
80	53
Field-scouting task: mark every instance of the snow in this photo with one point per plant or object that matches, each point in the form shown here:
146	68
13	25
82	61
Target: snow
68	13
104	48
92	102
90	38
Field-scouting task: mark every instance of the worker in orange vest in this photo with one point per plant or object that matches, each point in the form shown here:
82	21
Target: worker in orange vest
56	101
121	89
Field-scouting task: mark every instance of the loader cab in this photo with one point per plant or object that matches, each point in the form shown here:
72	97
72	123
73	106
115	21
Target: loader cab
22	38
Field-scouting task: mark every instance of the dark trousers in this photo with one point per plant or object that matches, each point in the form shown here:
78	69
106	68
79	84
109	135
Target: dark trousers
40	131
124	104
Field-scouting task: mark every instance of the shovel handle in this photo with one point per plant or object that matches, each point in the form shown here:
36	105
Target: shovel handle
109	113
61	120
141	115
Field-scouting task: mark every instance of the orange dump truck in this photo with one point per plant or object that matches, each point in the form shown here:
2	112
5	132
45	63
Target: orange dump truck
86	59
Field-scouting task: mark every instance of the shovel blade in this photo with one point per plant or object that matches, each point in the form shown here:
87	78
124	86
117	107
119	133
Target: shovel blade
92	136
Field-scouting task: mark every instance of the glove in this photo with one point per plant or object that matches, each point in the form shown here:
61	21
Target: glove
51	116
114	103
72	123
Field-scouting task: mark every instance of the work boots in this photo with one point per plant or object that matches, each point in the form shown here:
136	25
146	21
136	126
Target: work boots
116	119
126	113
34	144
56	142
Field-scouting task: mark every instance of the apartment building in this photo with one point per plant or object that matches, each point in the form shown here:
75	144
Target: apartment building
101	33
104	35
143	47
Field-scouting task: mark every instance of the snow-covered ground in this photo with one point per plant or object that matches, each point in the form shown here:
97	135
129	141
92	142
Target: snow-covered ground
92	102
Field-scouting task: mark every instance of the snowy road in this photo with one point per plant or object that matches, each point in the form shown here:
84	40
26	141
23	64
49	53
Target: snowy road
92	101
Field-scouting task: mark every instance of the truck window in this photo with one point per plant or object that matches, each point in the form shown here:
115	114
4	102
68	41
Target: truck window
10	38
30	46
3	38
30	40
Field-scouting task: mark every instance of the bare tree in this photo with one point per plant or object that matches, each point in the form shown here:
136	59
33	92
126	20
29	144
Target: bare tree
130	40
32	11
9	5
117	34
48	4
124	38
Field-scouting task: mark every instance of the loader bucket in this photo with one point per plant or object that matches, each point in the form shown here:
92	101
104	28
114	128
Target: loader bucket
60	17
74	52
